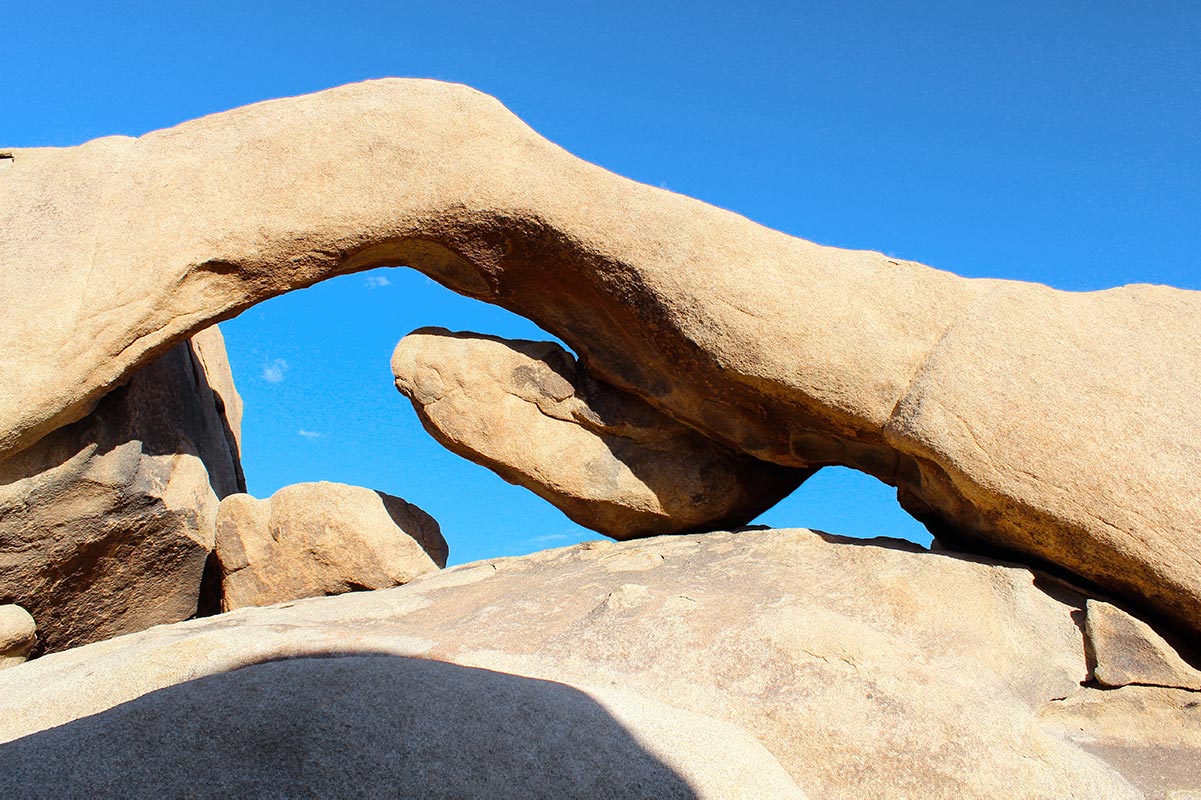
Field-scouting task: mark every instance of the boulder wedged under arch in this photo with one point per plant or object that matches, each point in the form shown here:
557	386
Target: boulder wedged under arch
603	457
1059	426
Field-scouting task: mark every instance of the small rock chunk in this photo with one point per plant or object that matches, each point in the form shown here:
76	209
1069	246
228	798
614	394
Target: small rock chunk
18	635
1128	652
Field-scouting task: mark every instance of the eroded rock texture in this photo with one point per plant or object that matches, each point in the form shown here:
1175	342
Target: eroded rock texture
604	457
106	523
758	664
1059	426
313	539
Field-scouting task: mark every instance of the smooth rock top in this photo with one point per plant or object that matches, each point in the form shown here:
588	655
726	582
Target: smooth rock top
604	457
748	664
1058	426
312	539
18	635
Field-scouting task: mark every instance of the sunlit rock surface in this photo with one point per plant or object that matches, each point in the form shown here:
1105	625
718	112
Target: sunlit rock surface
18	635
314	539
759	664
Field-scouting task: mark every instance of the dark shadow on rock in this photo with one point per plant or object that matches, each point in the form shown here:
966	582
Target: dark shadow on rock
344	726
885	542
82	505
418	524
166	408
232	458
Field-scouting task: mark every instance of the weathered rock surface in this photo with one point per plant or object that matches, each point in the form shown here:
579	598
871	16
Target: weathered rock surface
18	635
313	539
1128	652
865	668
105	524
1151	734
604	457
1060	426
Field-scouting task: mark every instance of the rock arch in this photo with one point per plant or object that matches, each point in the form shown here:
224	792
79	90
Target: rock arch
1055	425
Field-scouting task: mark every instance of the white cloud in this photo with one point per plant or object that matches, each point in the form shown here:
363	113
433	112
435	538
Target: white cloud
274	371
308	434
376	281
548	538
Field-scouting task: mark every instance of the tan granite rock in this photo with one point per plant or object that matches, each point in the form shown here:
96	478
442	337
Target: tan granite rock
1151	734
106	523
603	456
865	669
312	539
1126	652
1059	426
18	635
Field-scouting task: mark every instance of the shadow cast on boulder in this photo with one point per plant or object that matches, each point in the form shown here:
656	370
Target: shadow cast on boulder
344	726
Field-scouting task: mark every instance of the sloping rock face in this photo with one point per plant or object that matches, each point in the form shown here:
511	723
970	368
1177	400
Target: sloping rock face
865	669
313	539
1059	426
106	523
1127	652
604	457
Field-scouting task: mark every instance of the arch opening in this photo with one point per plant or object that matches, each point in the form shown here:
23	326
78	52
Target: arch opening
312	366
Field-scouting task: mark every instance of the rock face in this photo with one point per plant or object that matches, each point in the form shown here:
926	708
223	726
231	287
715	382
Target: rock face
1060	426
106	523
18	635
314	539
1127	652
604	457
812	665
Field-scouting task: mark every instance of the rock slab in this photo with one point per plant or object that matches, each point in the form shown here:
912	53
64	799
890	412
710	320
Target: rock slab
312	539
604	457
1127	652
386	727
830	667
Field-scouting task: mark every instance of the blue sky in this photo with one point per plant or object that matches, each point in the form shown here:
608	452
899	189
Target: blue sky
1054	142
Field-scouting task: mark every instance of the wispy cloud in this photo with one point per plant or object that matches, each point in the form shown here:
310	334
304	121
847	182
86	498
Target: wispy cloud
273	372
308	434
549	538
376	282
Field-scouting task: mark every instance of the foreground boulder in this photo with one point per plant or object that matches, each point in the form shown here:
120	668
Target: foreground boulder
382	726
758	664
18	635
312	539
604	457
105	524
1059	426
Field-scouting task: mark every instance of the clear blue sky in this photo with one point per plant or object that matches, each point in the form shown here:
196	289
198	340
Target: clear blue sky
1054	142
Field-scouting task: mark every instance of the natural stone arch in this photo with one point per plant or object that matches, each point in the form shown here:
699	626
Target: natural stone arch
1044	422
